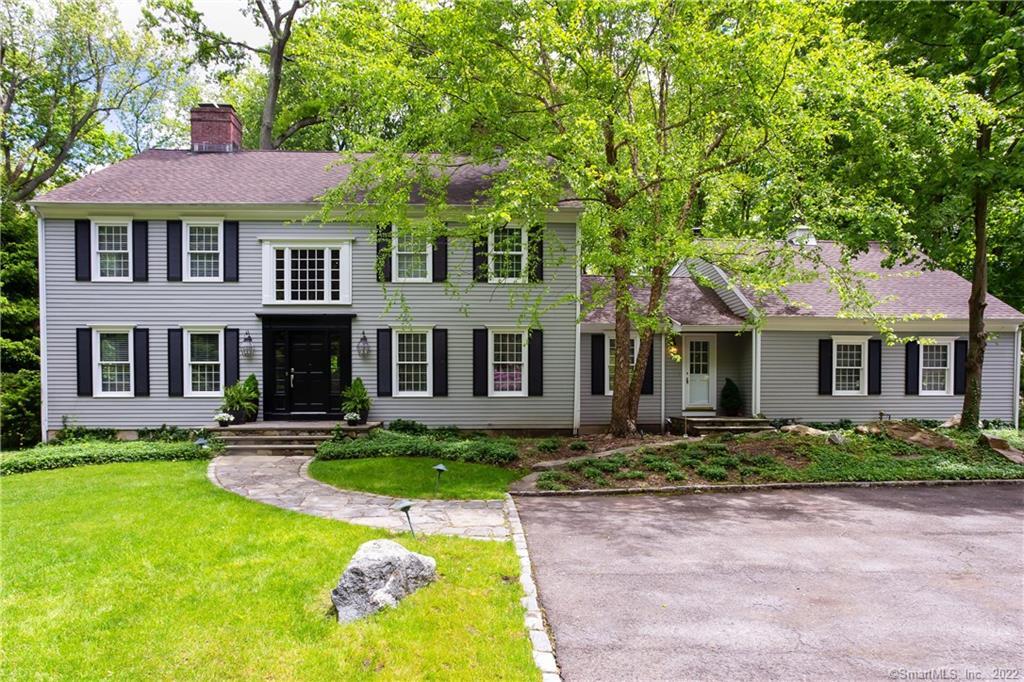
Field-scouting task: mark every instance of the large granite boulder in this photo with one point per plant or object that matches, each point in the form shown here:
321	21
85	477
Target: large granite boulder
1003	447
803	430
380	574
908	433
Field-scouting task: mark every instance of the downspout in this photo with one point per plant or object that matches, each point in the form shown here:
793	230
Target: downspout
41	269
1016	377
576	358
756	371
662	380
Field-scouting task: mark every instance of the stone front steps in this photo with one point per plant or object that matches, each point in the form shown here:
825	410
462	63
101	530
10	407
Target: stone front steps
283	438
712	426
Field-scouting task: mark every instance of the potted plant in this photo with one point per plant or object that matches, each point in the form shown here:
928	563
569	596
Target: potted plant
240	402
223	419
252	388
356	399
353	418
732	399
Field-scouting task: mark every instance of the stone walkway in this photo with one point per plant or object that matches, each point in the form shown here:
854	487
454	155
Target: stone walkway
283	481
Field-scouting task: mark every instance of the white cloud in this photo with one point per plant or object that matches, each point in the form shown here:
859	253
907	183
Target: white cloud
221	15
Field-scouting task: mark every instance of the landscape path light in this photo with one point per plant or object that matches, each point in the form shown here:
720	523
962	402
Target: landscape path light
440	469
405	506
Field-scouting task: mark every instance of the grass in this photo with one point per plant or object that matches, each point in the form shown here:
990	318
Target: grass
780	457
415	476
147	571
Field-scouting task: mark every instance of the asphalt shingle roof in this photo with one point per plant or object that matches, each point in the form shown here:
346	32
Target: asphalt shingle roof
686	302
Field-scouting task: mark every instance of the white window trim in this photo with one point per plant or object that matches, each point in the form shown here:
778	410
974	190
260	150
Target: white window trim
525	242
186	269
395	277
344	286
187	358
861	341
608	338
97	381
522	393
428	331
94	247
950	361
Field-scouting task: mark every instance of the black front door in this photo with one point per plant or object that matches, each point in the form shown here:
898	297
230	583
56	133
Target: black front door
306	364
309	373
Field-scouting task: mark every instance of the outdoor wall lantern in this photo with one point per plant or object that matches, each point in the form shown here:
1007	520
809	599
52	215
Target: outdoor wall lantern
363	346
247	346
404	506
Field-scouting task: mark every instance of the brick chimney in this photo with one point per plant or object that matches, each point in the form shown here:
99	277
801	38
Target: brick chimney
216	128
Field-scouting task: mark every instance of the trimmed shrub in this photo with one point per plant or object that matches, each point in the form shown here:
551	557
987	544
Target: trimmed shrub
393	444
549	444
732	399
409	426
711	472
98	452
173	434
579	446
552	480
675	476
19	408
69	432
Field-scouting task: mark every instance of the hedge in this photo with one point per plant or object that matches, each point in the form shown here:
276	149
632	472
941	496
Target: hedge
97	452
392	444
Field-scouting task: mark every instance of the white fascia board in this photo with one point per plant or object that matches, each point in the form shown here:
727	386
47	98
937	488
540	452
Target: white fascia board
835	324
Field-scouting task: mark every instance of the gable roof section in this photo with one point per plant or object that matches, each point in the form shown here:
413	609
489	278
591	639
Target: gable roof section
179	176
686	303
914	289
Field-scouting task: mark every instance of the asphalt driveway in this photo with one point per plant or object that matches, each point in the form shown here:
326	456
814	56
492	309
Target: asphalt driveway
868	583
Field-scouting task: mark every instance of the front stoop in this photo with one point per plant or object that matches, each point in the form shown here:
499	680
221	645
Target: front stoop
290	438
712	426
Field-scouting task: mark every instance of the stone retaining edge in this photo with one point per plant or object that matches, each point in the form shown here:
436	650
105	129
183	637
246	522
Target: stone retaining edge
536	627
755	487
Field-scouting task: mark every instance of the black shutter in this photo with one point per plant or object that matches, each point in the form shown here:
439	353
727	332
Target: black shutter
824	366
230	250
174	251
383	266
535	264
648	386
83	253
83	357
384	363
230	356
479	362
140	252
598	362
440	256
480	260
175	363
912	375
440	360
959	366
141	340
874	366
535	355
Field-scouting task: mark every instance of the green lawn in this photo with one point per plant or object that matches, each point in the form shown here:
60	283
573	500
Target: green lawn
147	571
415	477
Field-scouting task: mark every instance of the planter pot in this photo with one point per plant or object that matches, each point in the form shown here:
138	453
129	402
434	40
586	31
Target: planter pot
239	416
223	425
363	414
354	422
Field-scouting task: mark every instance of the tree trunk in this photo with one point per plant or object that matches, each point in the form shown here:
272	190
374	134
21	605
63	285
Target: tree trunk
971	411
273	87
623	420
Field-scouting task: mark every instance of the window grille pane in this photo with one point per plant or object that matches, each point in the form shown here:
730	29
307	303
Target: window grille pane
279	274
204	265
412	265
700	357
933	379
205	347
508	265
508	238
335	274
115	377
848	355
935	356
204	238
412	362
308	275
112	237
508	362
611	359
206	377
114	347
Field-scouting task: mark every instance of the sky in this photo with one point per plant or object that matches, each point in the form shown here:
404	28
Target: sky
221	15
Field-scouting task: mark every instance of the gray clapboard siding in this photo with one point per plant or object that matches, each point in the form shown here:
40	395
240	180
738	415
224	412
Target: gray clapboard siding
596	410
159	305
789	383
725	290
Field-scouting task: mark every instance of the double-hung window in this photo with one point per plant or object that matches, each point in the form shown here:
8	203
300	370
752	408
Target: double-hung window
114	356
508	358
412	362
307	273
112	249
609	375
204	352
849	365
412	261
203	249
937	367
506	251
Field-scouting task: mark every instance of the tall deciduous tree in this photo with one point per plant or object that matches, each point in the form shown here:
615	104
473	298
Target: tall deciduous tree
975	186
640	113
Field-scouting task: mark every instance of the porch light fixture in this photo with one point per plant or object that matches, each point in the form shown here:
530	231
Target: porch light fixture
405	506
440	469
247	346
363	346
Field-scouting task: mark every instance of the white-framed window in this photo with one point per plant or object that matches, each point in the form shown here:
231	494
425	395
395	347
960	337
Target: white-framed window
413	349
849	365
204	361
113	362
203	249
609	354
111	249
507	254
411	258
507	362
307	272
936	368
